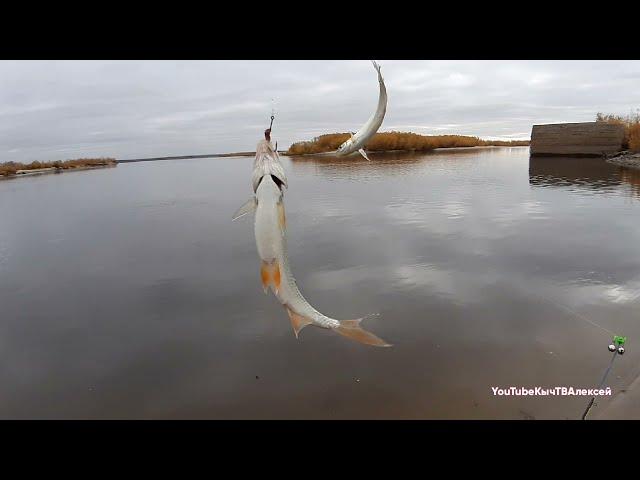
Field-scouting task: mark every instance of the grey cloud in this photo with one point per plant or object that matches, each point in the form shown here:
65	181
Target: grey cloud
60	109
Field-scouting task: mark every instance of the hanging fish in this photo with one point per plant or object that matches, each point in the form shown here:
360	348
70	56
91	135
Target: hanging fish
359	139
270	225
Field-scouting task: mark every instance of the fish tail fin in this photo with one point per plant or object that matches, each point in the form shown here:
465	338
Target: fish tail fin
270	275
352	329
376	65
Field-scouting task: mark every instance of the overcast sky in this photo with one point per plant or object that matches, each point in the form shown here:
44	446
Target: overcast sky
53	110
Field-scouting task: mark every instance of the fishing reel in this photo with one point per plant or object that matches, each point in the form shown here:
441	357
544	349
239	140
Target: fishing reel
618	344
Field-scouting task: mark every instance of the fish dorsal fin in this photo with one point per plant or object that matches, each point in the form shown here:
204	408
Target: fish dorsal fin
298	322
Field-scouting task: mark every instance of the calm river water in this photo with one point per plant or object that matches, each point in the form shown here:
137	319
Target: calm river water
129	293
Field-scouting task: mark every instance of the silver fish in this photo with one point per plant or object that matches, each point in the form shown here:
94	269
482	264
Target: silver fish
275	271
359	139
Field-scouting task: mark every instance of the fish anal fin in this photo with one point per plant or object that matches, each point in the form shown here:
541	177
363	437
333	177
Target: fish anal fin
364	154
352	330
247	207
298	322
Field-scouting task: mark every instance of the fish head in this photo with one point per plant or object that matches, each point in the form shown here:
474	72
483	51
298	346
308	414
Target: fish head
345	147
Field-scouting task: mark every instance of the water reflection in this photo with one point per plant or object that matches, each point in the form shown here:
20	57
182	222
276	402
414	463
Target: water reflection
631	176
394	163
357	167
444	245
583	173
592	173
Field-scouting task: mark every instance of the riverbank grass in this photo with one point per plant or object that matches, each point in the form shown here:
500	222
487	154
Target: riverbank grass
397	141
14	168
631	124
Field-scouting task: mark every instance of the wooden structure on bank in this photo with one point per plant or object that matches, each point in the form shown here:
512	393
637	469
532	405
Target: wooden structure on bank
576	139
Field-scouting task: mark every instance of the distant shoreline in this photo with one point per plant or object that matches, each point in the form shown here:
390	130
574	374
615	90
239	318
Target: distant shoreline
44	171
285	154
398	141
440	149
16	170
49	170
186	157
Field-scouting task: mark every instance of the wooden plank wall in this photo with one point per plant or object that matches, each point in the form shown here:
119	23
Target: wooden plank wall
587	139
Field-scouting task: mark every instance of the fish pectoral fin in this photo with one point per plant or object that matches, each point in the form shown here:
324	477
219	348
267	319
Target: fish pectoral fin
364	154
298	322
352	329
248	207
270	276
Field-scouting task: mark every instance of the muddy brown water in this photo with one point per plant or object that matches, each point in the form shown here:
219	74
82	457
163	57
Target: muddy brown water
129	293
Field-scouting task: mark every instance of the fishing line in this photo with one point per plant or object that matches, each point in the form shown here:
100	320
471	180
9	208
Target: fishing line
579	316
574	313
604	378
273	113
617	347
